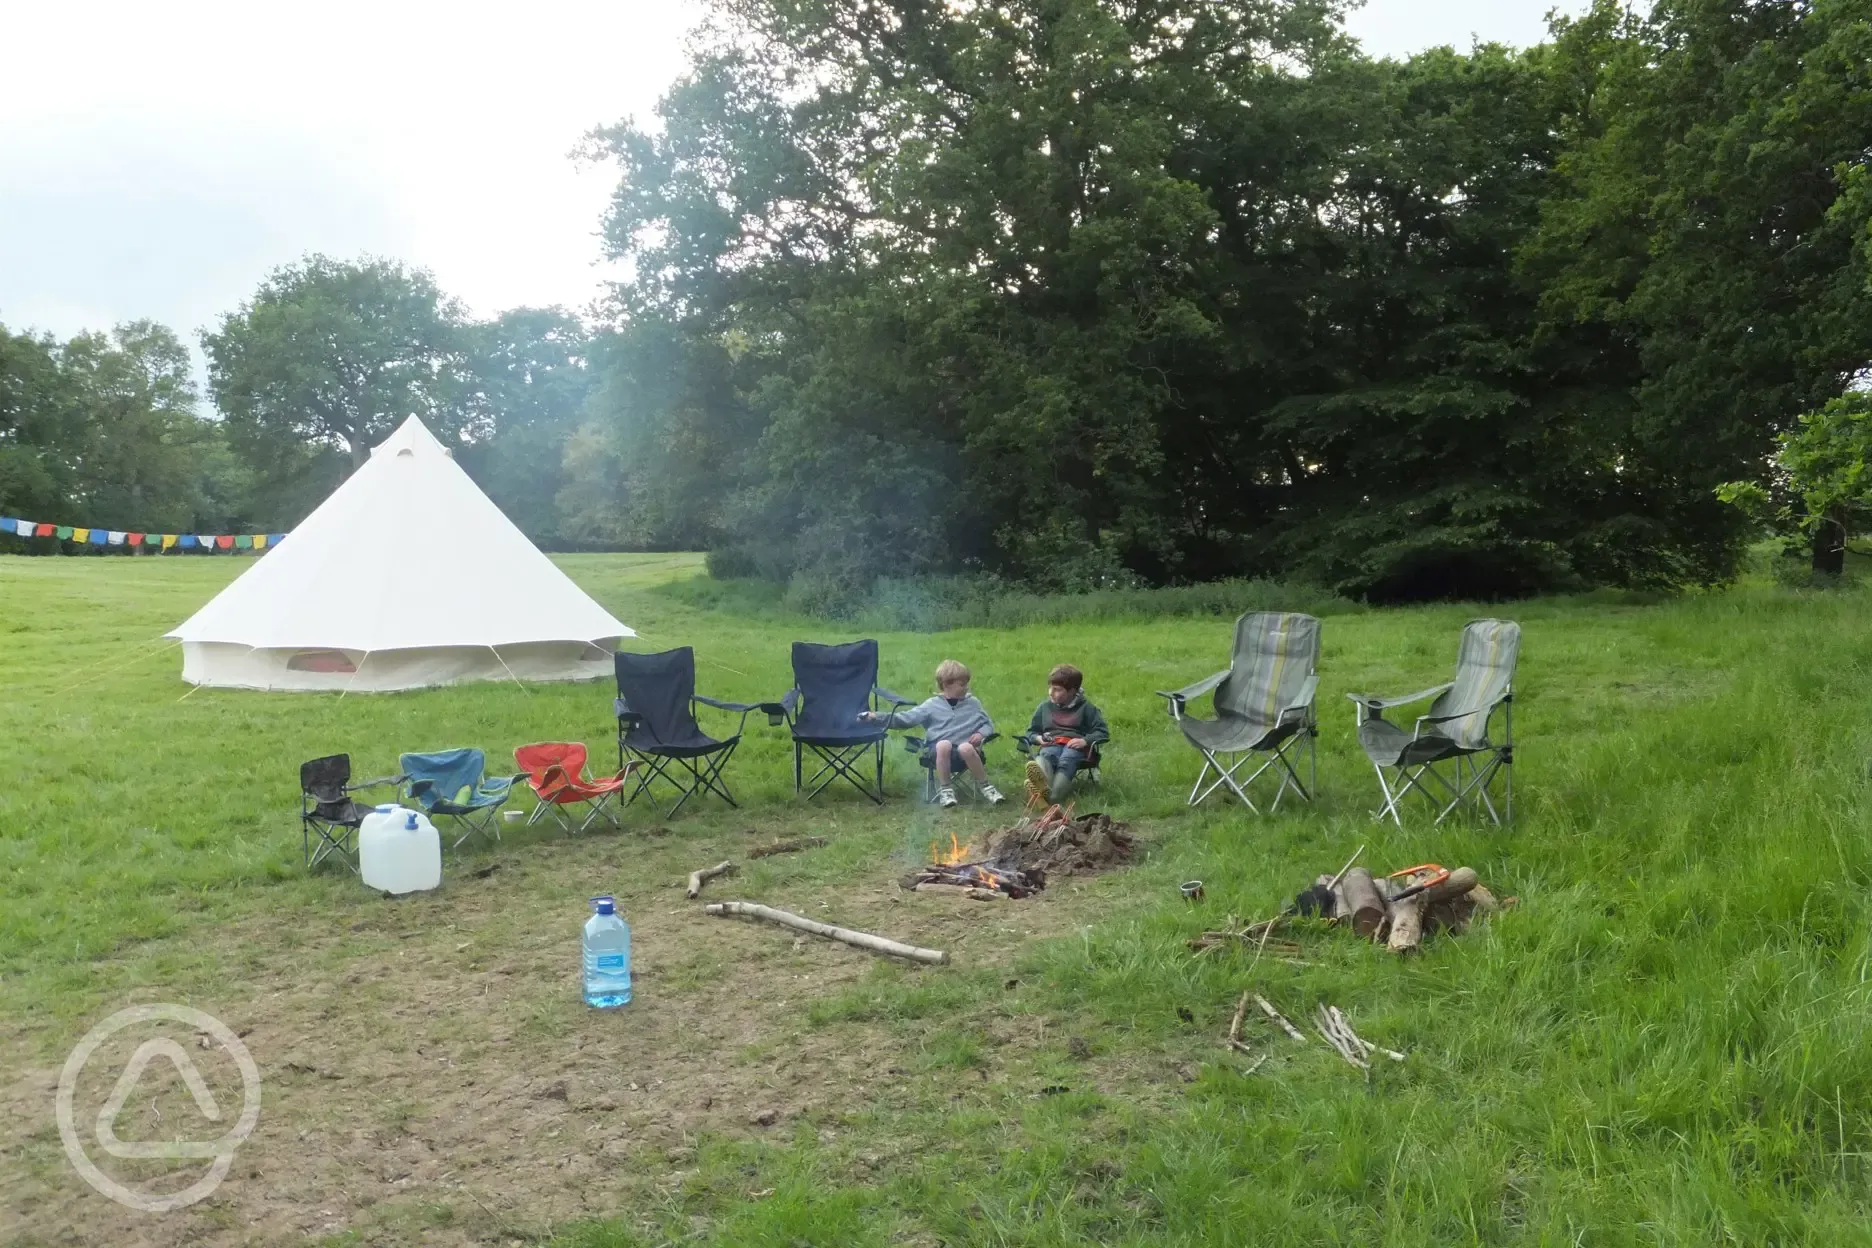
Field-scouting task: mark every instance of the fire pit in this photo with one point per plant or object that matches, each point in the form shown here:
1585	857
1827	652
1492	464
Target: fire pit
1016	861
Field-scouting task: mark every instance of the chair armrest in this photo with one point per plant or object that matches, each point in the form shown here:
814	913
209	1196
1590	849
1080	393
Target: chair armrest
896	700
776	714
1377	703
1179	696
377	783
789	701
1304	699
1464	714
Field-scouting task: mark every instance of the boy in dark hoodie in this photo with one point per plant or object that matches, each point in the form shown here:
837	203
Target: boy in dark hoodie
1064	731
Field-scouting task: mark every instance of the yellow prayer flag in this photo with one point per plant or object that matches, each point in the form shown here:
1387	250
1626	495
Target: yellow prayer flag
81	535
169	539
259	540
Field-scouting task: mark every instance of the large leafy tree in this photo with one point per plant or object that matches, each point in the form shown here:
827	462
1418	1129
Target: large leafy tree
327	358
104	429
532	379
37	419
1705	234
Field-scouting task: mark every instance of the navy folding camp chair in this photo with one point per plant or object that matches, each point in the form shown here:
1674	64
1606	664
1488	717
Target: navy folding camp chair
832	687
657	727
453	785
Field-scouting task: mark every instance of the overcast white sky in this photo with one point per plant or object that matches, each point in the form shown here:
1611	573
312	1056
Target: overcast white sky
158	159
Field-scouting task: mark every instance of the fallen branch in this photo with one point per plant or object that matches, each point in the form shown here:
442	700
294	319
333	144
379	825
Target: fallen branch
863	940
698	878
787	847
1274	1016
1235	1024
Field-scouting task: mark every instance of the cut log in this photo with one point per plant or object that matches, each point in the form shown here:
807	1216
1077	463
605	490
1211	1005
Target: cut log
1460	881
1484	900
787	847
1406	924
863	940
1366	909
698	878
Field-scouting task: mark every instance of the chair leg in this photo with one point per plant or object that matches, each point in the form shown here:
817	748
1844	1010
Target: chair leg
844	761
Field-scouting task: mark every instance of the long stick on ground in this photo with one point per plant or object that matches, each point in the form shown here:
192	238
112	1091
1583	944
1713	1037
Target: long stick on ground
863	940
698	878
1241	1012
787	847
1274	1016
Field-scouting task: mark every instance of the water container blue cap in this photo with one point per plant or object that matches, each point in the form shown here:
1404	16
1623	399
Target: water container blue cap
605	904
411	825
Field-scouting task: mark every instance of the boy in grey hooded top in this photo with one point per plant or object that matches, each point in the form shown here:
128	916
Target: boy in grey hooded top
954	727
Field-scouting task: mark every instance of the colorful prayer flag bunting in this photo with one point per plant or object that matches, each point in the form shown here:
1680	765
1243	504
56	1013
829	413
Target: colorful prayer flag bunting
122	537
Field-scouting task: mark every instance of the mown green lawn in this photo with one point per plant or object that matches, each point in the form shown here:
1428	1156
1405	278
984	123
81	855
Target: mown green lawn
1664	1043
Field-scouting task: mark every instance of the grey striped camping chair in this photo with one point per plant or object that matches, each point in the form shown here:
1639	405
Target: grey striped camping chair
1454	734
1263	708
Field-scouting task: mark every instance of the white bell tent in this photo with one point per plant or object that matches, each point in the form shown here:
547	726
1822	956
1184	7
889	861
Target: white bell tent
407	576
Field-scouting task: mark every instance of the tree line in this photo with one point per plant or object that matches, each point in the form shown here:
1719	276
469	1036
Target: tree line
1104	292
1076	291
305	377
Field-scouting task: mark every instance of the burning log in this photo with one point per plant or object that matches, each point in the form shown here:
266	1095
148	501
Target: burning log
698	878
984	876
863	940
958	890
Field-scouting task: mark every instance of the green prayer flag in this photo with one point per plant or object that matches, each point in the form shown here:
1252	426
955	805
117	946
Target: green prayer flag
63	531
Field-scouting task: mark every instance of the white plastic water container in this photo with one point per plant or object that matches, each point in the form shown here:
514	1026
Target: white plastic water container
399	851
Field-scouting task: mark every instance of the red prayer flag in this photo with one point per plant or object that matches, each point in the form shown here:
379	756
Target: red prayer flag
44	530
136	539
225	542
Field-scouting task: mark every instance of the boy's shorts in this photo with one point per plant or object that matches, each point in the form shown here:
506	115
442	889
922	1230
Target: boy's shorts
928	756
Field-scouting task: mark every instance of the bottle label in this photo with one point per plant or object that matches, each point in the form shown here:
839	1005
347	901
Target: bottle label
610	961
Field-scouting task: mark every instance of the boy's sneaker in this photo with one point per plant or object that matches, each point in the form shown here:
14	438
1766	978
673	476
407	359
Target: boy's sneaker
1036	785
992	794
945	796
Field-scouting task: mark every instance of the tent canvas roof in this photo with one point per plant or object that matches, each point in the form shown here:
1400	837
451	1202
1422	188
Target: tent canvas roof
407	553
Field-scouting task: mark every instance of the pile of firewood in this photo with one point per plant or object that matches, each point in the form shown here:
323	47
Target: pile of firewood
1400	910
1397	910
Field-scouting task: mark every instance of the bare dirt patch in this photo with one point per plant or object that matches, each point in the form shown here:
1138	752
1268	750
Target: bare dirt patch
431	1076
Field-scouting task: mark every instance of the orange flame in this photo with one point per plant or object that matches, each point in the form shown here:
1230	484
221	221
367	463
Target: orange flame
957	852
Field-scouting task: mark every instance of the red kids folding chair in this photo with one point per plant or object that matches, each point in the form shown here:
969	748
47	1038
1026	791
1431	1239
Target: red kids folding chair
555	771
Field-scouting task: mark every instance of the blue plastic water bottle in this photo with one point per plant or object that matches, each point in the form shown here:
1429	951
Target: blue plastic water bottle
607	956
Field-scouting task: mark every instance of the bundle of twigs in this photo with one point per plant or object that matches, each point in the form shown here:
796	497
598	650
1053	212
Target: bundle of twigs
1338	1033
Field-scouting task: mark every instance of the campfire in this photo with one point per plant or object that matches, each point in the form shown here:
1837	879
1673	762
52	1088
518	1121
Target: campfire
951	868
1015	862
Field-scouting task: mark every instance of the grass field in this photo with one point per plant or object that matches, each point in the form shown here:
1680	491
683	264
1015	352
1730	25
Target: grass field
1664	1043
